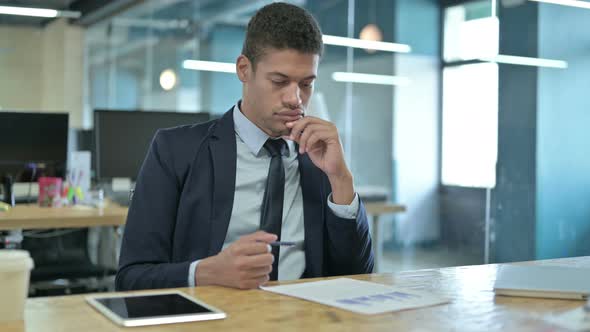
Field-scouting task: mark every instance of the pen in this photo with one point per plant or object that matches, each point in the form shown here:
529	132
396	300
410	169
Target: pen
282	243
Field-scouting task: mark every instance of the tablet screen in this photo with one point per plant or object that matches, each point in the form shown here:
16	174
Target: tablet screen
152	305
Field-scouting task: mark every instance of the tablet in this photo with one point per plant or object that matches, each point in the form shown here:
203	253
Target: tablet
153	308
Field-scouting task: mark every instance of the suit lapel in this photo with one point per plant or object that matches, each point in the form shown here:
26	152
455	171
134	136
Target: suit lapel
223	155
314	194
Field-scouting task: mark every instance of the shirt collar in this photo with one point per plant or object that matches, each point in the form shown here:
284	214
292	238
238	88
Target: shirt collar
253	137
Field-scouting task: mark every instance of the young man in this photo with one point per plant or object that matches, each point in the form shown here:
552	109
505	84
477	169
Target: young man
211	199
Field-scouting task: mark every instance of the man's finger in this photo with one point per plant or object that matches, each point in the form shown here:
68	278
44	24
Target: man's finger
319	134
260	271
297	130
299	125
260	236
257	261
252	248
253	283
311	141
300	137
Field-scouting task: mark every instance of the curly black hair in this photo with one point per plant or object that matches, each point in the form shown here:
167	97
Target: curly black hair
282	26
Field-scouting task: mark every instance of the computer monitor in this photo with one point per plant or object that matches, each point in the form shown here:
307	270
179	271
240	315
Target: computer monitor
33	145
122	138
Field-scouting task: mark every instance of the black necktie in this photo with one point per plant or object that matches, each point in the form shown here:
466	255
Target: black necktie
271	216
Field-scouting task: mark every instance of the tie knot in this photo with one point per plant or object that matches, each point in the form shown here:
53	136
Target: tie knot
274	146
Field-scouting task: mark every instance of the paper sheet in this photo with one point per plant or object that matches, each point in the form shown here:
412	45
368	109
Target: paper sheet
358	296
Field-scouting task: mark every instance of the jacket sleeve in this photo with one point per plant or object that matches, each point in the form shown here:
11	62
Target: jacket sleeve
146	250
349	249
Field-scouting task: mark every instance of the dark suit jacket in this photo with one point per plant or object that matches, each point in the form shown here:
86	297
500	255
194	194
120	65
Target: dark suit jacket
182	205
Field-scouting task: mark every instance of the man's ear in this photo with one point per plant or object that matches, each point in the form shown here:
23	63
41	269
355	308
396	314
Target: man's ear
244	68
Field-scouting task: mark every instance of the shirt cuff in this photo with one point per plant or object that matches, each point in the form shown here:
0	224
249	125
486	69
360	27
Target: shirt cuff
191	273
345	211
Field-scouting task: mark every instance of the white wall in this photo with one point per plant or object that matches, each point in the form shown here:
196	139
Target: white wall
41	69
21	65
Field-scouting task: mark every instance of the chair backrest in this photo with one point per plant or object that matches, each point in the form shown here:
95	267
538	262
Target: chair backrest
68	248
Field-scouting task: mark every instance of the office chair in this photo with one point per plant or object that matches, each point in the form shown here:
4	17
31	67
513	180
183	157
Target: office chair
62	263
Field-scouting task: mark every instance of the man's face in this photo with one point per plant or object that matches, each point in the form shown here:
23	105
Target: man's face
278	91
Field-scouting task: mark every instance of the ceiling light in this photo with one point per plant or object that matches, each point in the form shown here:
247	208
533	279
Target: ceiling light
571	3
366	44
369	78
38	12
168	79
373	33
223	67
526	61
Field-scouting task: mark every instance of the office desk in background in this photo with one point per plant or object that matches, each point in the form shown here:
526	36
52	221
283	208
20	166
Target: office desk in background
77	252
375	210
32	216
473	308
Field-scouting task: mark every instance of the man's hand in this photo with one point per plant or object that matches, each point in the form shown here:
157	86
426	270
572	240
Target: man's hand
320	140
245	264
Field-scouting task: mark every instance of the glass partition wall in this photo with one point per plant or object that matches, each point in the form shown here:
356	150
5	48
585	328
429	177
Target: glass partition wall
445	115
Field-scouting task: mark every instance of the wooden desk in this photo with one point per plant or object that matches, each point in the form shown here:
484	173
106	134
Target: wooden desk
34	217
375	210
473	308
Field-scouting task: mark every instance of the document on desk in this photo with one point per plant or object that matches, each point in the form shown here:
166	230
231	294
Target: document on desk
359	296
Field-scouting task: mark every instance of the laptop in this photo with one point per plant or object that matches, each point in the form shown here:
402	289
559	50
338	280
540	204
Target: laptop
546	281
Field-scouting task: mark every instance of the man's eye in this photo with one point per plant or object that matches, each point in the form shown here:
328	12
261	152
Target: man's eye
279	82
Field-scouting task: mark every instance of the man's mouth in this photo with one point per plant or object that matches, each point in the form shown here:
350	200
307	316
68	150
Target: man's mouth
290	115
